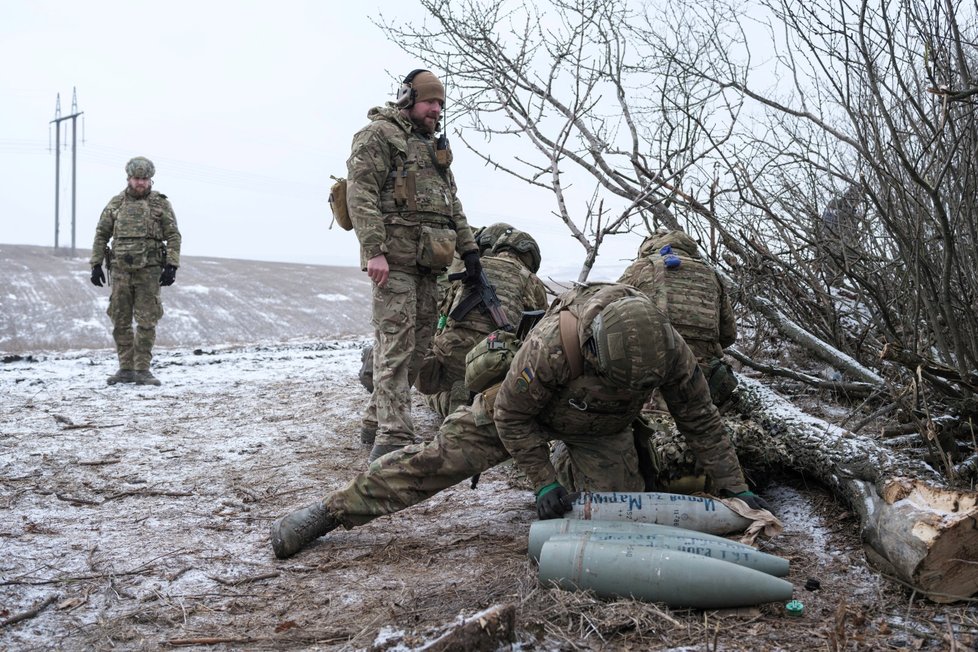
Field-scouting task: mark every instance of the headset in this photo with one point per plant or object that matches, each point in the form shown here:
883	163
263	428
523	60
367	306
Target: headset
406	93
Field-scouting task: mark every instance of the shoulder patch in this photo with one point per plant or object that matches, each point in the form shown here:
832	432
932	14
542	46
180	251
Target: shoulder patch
525	379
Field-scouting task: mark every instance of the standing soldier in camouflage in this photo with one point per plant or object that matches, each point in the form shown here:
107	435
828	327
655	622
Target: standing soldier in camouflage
145	254
670	271
485	238
401	196
581	377
511	265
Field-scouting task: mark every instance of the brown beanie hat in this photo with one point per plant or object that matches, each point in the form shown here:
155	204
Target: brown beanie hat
427	87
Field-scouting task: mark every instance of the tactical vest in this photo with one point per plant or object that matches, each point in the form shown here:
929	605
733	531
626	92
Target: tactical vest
588	404
416	190
137	232
510	278
689	294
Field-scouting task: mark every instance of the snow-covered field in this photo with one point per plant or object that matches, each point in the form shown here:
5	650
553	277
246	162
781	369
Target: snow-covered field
137	517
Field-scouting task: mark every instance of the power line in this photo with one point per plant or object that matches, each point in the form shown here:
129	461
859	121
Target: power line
58	119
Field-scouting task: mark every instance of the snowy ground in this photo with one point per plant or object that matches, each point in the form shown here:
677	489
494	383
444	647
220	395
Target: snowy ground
137	517
145	510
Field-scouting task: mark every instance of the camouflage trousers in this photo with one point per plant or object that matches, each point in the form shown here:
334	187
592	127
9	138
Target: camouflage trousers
404	319
443	364
135	296
461	449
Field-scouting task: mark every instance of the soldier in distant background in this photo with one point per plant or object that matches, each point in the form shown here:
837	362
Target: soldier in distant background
671	273
401	196
511	265
145	255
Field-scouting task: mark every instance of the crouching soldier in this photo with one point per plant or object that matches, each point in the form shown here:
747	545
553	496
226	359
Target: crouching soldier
581	377
511	265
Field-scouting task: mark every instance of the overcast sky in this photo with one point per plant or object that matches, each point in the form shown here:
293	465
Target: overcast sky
246	108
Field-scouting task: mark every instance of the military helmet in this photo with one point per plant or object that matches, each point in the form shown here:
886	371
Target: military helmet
633	343
140	167
522	244
486	236
677	238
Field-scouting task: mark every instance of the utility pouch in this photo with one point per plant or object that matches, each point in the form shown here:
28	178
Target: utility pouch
488	404
436	247
405	189
721	380
488	361
337	203
443	158
443	153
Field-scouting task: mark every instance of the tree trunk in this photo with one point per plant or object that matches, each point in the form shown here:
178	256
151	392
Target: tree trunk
914	526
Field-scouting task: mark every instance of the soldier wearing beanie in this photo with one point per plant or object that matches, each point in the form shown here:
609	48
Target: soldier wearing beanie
144	255
401	197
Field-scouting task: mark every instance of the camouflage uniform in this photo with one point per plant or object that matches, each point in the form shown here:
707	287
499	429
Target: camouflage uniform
691	293
671	273
540	401
442	374
140	230
405	309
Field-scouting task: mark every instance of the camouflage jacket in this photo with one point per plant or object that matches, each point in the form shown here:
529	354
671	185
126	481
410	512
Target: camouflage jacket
138	229
539	399
384	224
692	294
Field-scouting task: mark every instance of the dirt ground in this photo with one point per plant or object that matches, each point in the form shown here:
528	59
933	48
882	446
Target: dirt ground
137	518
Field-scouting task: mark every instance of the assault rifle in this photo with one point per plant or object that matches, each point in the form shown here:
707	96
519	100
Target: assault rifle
482	294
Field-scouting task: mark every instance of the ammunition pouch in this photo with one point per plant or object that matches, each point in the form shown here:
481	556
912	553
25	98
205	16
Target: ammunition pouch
436	247
405	189
488	361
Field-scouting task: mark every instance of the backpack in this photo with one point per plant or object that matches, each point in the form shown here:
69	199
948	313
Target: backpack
337	203
488	361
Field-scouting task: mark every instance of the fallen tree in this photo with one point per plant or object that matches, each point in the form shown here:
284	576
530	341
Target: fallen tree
915	527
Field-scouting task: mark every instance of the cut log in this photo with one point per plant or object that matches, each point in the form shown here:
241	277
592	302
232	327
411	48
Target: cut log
914	526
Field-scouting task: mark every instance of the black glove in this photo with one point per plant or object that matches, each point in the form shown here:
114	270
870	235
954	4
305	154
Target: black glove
552	502
98	276
753	500
169	275
473	266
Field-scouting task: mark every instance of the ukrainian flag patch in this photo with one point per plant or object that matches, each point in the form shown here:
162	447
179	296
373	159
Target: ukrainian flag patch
524	380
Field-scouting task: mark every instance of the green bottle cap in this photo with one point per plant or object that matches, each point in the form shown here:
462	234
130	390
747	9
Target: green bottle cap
794	608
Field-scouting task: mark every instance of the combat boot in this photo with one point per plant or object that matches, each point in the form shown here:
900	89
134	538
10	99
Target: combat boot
368	434
122	376
366	374
379	450
291	533
145	377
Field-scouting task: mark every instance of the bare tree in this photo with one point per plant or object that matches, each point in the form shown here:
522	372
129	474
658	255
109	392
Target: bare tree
591	101
844	208
882	125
